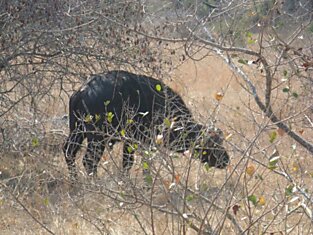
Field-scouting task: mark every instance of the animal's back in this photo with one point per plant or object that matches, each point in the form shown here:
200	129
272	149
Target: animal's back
120	92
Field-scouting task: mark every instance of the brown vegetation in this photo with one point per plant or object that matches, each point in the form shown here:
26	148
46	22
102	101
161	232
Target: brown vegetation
250	75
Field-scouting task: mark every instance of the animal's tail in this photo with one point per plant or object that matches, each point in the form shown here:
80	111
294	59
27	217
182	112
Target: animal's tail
74	122
72	117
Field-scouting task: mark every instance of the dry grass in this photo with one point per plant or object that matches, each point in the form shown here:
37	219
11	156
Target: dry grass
35	183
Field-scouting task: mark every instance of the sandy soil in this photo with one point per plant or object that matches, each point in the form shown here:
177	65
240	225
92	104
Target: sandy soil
198	83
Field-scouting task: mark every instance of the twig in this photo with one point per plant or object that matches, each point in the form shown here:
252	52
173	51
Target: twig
267	110
27	211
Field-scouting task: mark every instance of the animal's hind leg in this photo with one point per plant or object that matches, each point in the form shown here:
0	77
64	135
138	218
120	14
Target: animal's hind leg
128	157
93	155
70	148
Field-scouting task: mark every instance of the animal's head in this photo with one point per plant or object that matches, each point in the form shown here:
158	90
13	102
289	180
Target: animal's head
211	149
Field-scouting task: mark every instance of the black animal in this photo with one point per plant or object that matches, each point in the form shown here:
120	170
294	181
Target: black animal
122	106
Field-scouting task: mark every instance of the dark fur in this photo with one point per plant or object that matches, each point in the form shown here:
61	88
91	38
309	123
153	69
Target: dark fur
140	111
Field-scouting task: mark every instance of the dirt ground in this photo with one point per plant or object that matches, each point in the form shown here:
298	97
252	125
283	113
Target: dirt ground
53	206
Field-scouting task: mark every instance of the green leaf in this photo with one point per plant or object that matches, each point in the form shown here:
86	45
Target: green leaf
189	198
286	89
110	116
242	61
252	198
129	121
274	160
88	118
311	28
122	194
147	153
98	117
260	177
196	154
46	201
167	122
35	142
288	191
273	136
158	87
130	149
106	103
251	41
295	94
272	165
123	132
249	34
285	73
135	146
206	166
148	179
145	166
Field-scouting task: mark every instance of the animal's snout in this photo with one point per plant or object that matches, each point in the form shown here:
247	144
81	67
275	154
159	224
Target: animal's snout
223	161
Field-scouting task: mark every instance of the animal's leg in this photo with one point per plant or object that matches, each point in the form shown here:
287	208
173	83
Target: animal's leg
70	148
93	155
128	157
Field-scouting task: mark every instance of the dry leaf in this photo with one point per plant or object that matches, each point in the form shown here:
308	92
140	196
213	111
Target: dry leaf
236	209
105	157
177	178
250	170
280	132
262	201
295	167
219	96
166	184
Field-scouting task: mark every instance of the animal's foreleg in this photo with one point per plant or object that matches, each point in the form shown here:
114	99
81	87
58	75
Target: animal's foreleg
70	148
92	157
